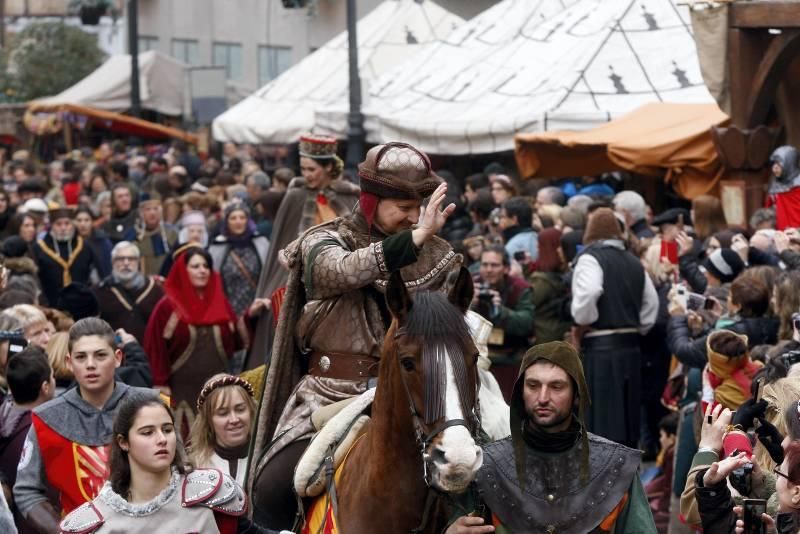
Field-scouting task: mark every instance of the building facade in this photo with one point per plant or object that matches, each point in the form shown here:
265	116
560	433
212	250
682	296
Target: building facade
255	40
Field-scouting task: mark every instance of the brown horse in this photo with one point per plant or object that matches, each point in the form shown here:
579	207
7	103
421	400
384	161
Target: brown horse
420	441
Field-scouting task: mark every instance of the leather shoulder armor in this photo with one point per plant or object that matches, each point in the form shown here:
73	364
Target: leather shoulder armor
82	520
214	489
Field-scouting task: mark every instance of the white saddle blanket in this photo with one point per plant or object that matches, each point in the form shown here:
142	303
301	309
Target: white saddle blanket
338	434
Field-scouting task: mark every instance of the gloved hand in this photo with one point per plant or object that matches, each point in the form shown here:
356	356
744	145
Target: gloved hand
771	439
747	412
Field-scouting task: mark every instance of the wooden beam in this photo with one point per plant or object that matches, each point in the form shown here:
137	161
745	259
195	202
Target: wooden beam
765	14
773	66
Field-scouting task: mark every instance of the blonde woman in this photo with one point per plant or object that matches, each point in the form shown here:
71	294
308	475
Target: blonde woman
35	326
778	395
221	430
57	350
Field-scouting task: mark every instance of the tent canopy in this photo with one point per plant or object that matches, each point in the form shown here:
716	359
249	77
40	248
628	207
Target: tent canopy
81	115
673	140
535	66
284	109
161	82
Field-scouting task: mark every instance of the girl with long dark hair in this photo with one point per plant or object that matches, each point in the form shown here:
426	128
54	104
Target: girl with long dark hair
151	488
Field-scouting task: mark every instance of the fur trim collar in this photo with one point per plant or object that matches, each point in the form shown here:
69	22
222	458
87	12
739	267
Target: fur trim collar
22	265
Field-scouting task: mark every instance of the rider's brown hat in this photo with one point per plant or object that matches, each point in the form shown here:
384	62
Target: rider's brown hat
397	170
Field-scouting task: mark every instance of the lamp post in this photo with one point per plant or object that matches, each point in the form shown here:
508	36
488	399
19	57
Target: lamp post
355	119
133	49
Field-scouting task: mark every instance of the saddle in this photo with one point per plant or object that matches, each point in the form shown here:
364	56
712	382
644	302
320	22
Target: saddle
330	445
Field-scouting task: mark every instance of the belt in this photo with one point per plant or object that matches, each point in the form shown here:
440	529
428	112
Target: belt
343	366
611	332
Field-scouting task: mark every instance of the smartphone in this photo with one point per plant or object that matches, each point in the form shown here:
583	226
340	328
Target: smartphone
695	301
760	389
519	255
753	508
669	251
709	304
682	295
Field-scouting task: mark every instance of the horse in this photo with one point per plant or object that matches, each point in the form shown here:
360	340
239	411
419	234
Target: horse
419	444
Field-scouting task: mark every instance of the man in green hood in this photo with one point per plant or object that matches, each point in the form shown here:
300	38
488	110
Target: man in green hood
552	475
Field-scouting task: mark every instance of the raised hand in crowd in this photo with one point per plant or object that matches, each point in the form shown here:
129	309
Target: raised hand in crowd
719	471
715	425
685	243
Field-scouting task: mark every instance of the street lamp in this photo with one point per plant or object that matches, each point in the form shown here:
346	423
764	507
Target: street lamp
355	119
133	49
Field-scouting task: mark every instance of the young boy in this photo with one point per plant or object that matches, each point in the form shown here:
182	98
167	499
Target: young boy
659	489
31	383
68	443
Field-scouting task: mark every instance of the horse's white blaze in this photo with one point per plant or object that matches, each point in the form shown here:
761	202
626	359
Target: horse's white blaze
462	456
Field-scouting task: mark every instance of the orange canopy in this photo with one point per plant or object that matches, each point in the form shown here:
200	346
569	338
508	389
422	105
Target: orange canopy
116	122
661	139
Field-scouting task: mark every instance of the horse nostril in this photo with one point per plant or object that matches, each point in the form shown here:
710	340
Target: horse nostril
437	456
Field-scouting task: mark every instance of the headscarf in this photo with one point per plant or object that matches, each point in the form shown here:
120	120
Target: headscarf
211	308
730	372
549	242
245	237
566	357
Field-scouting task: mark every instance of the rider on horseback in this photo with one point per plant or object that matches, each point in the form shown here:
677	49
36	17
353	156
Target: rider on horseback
333	317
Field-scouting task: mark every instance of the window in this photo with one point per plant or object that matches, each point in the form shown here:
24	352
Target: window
185	50
147	42
272	61
229	56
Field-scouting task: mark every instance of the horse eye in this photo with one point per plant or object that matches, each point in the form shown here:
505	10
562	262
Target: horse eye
407	363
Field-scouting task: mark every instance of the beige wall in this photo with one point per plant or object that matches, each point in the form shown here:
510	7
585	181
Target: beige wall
258	22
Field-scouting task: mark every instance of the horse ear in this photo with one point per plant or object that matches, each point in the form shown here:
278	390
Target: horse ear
461	294
397	298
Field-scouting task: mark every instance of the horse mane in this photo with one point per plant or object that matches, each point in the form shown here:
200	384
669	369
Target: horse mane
441	325
434	318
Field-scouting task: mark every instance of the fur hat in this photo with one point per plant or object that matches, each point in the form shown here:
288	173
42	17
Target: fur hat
61	213
397	170
602	224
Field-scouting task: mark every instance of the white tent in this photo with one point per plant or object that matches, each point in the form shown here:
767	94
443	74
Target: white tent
525	66
283	109
161	83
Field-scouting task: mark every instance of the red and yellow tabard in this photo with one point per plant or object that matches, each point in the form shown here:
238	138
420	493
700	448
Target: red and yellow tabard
76	471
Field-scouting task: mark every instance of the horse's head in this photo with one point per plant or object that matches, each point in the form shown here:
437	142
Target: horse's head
434	362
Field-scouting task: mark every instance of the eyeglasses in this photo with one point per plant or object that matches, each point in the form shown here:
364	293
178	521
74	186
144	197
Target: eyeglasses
778	472
123	259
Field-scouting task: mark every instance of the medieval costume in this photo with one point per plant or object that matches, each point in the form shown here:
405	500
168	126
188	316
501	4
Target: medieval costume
189	338
205	500
613	302
333	317
154	243
128	304
239	260
67	448
783	191
301	208
121	226
568	481
62	259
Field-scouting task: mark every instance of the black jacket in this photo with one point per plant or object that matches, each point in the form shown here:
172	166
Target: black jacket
715	505
692	352
135	369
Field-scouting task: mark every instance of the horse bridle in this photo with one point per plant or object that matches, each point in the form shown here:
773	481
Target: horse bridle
424	439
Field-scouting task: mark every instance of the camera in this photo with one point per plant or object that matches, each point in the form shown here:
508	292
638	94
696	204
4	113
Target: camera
741	479
484	291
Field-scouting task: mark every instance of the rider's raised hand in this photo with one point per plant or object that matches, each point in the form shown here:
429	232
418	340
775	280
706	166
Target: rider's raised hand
431	218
